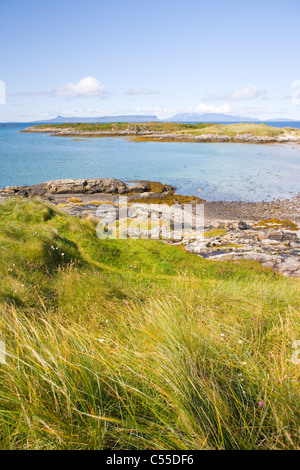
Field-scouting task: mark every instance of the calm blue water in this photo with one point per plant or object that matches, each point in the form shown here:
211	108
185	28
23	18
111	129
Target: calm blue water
294	124
222	171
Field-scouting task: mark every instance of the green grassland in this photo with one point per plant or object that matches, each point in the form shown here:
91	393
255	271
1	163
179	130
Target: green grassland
124	126
231	130
135	344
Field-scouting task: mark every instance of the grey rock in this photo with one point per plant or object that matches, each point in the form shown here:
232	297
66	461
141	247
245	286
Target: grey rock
244	226
291	236
289	265
267	242
70	186
275	235
91	186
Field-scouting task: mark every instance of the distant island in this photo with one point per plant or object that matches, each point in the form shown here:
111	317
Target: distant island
174	132
180	118
209	117
104	119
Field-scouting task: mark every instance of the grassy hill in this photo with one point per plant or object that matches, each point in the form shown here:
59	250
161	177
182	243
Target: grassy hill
122	126
170	128
134	344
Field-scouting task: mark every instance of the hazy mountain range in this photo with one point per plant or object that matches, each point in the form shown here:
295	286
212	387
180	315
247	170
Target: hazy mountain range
181	117
104	119
208	117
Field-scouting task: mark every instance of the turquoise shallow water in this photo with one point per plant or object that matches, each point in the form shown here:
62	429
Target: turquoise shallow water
222	171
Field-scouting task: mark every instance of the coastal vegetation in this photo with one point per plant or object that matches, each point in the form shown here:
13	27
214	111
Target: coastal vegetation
124	126
135	344
234	129
169	131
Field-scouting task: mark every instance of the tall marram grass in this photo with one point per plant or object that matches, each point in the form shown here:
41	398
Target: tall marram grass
163	377
103	353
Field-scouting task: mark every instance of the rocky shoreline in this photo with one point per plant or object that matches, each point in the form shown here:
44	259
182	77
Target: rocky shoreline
267	232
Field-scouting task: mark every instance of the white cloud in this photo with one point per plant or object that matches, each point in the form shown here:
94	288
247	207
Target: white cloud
141	92
2	92
86	112
209	108
33	93
248	111
296	92
153	109
159	111
88	86
251	92
166	112
296	84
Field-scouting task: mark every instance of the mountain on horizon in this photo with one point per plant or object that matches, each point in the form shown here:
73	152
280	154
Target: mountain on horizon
180	117
282	120
104	119
208	117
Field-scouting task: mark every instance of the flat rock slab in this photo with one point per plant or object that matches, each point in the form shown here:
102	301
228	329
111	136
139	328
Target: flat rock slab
82	186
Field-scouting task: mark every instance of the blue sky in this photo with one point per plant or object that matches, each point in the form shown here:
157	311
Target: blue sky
106	57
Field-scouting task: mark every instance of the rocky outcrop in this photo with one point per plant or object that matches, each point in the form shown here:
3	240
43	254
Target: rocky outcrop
272	242
278	249
276	246
89	186
83	186
62	191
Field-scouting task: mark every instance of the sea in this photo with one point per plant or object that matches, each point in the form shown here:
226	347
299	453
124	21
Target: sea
212	171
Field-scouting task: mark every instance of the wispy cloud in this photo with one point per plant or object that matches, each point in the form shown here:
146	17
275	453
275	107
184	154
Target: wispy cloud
251	92
32	93
141	92
209	108
86	87
159	111
86	112
296	92
2	92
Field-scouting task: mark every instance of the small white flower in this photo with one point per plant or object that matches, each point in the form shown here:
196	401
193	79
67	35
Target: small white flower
240	341
222	334
101	340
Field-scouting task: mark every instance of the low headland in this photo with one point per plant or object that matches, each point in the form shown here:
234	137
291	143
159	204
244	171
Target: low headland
175	132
